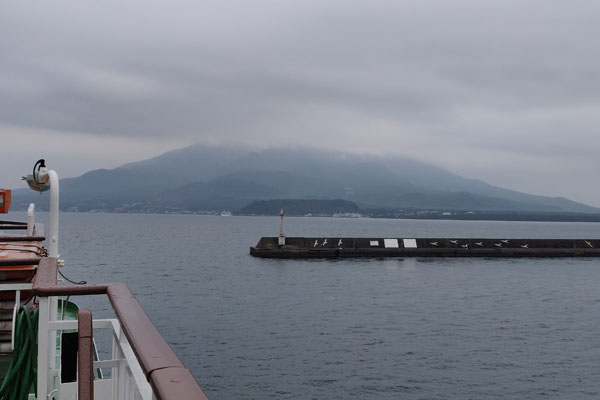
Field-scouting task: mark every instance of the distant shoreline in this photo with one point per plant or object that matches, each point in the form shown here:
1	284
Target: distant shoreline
432	215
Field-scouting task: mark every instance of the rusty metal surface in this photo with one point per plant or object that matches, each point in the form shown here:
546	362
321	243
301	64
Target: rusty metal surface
46	273
6	225
166	374
21	249
20	261
85	361
22	238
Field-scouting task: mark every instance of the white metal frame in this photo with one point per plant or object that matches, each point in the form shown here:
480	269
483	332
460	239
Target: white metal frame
127	378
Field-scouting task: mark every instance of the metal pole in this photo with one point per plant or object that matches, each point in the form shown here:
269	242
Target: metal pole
281	235
43	362
53	252
54	197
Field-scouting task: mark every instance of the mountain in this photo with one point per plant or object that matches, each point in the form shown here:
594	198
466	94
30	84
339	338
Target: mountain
204	178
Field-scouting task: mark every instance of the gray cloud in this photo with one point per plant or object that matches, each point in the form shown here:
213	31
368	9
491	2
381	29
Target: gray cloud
505	91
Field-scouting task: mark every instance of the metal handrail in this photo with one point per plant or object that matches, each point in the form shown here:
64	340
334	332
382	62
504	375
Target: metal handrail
167	375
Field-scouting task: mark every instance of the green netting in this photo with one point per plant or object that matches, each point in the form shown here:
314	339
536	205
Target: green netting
21	376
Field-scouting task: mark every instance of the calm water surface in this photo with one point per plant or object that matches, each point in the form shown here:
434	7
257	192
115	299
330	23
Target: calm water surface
363	329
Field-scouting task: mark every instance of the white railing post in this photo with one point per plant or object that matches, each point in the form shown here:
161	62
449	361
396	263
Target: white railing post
53	316
122	365
43	349
30	219
115	370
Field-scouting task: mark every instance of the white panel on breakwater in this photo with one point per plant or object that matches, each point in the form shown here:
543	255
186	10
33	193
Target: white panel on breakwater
390	243
410	243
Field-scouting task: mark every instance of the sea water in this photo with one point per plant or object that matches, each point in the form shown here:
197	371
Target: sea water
253	328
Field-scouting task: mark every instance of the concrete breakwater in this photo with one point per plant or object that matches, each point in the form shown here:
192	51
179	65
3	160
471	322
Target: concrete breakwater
345	247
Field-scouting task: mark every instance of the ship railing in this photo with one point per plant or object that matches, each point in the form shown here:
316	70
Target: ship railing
127	380
142	364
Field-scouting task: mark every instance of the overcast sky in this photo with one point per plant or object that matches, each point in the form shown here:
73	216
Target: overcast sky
503	91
